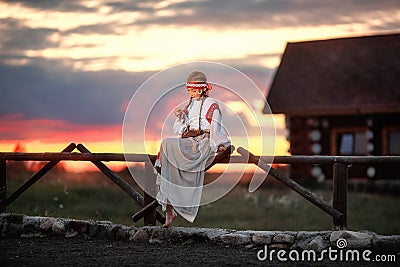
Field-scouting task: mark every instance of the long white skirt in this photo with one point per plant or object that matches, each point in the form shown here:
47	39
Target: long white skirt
182	162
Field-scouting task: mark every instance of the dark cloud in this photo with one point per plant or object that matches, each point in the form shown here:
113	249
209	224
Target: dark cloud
15	36
251	67
58	5
134	6
269	14
106	28
47	89
260	14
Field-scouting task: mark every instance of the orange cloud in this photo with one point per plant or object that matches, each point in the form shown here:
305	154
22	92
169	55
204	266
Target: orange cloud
16	128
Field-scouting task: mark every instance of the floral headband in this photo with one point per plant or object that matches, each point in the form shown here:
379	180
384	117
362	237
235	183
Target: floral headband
199	85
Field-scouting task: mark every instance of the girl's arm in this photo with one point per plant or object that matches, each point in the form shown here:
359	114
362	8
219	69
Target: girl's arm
218	135
180	122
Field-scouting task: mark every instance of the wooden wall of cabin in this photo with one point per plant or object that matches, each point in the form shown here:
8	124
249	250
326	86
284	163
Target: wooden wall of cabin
299	145
318	135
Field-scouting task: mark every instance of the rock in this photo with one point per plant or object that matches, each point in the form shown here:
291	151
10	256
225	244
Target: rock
15	225
283	238
77	226
180	235
121	234
140	236
183	234
30	226
46	223
131	232
112	231
235	239
58	227
304	235
15	218
262	239
12	230
350	239
103	230
33	219
159	236
94	229
318	244
213	235
278	246
303	239
396	239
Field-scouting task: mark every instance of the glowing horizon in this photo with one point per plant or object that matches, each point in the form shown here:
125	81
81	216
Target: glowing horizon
101	144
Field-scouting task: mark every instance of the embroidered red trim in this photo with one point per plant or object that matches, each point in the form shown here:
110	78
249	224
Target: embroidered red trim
210	111
198	85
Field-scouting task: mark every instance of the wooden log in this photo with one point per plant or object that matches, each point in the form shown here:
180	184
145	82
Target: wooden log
127	188
3	185
50	156
149	207
310	196
131	157
350	160
224	155
339	194
149	191
46	168
146	210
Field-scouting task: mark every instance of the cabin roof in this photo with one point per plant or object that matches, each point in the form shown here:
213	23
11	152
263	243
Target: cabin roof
338	76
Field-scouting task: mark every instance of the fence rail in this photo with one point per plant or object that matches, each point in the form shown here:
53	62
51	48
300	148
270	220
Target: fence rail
132	157
338	210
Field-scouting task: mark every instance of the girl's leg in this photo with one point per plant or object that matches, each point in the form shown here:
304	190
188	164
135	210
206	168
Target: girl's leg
170	215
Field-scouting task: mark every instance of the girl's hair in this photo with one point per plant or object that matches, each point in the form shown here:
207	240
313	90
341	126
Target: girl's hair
196	76
188	105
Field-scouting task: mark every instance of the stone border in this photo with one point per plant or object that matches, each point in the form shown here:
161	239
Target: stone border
23	226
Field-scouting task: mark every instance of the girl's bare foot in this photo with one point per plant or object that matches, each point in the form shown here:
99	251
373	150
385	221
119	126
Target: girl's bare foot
170	216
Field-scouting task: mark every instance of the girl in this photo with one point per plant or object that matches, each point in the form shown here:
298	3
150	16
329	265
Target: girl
181	161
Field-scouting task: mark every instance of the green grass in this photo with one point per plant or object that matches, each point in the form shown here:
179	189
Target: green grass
269	208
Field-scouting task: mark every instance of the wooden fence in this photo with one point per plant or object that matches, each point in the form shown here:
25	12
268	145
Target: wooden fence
338	210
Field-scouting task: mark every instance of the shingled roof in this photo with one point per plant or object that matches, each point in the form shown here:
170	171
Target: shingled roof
338	76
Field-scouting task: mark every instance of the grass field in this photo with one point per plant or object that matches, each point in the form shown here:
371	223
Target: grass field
269	208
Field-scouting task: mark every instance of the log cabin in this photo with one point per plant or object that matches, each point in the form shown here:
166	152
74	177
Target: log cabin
340	97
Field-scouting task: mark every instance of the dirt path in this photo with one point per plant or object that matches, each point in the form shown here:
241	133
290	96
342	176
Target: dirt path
55	250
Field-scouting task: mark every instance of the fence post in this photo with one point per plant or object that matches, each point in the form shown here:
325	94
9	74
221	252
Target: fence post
34	178
3	185
148	192
339	194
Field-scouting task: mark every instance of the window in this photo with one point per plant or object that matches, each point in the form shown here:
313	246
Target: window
346	144
394	143
352	143
391	141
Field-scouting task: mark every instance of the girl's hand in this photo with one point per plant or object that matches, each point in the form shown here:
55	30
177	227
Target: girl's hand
221	148
177	111
180	113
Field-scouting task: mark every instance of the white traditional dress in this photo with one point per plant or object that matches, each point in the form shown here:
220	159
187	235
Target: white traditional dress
183	160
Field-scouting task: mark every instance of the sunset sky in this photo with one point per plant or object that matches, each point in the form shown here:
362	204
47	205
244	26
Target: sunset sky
69	68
